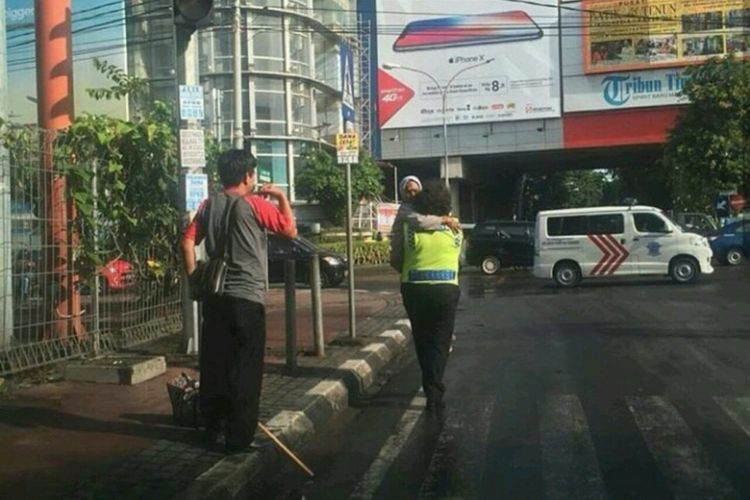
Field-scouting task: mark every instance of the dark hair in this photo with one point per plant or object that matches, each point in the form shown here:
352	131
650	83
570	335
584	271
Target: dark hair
234	164
434	199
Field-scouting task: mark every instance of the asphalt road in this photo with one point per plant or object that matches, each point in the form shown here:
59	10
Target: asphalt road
628	388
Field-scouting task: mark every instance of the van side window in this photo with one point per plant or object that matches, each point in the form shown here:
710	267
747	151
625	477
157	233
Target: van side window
568	226
649	223
586	224
607	224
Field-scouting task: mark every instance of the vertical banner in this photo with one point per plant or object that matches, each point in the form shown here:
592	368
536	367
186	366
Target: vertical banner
347	87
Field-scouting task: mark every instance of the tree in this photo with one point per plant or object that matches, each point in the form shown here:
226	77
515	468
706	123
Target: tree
321	179
571	189
708	150
137	177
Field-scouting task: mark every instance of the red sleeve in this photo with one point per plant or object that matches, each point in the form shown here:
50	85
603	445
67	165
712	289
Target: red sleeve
268	215
196	230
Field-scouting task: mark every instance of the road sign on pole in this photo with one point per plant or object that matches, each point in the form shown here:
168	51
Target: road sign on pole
191	102
347	148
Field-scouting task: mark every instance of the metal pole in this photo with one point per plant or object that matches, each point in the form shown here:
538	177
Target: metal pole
317	306
395	182
350	252
445	137
238	133
291	314
6	253
97	278
186	74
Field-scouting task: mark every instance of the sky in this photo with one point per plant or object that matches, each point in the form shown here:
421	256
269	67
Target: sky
99	31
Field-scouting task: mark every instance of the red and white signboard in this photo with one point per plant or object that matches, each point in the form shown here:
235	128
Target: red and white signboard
386	215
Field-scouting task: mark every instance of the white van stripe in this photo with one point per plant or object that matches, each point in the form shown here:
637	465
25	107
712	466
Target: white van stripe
738	409
678	453
569	463
459	460
372	479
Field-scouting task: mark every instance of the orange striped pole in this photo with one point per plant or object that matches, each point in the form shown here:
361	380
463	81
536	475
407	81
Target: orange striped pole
55	112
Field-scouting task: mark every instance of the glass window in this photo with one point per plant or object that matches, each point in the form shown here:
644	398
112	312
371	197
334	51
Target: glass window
568	226
649	223
268	44
299	49
607	224
272	162
269	106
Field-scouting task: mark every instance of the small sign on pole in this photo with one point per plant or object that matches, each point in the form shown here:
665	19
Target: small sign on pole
196	190
347	148
191	102
192	148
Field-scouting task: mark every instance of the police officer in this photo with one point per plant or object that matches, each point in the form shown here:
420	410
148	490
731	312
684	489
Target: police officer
429	288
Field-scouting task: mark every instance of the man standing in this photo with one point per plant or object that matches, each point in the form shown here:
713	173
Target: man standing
233	333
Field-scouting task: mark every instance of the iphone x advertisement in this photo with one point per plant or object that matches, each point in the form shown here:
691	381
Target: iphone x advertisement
501	62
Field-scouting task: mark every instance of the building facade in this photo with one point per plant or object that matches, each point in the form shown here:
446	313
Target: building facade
299	77
519	87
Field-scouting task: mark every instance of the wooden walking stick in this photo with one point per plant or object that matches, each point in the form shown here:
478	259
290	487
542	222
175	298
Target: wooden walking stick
286	450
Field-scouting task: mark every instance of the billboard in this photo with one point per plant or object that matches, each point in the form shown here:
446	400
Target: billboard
622	90
98	31
501	62
636	34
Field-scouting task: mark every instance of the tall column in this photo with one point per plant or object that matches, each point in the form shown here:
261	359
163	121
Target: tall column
6	250
54	63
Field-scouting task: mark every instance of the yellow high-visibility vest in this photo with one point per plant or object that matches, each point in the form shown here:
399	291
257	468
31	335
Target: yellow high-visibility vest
431	257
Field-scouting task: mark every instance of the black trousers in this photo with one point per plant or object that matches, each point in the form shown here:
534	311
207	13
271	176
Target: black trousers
432	313
233	342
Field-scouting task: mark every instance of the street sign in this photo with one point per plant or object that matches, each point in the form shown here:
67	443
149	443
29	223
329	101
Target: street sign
347	148
192	148
196	190
191	102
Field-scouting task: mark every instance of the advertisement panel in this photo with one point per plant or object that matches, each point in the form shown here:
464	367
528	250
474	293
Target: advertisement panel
98	32
501	62
634	89
637	34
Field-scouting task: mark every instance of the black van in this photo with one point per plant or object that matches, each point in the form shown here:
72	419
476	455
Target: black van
495	243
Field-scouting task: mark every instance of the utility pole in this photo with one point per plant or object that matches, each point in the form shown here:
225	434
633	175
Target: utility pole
55	109
238	134
6	252
190	15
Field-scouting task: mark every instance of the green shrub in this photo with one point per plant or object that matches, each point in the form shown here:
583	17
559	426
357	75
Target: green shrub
365	252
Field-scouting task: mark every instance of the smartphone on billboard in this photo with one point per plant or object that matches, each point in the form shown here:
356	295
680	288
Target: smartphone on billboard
458	31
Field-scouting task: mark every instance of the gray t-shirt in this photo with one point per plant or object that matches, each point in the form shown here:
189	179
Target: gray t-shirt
247	247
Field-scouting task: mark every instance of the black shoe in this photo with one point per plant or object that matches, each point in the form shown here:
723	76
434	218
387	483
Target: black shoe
435	405
255	445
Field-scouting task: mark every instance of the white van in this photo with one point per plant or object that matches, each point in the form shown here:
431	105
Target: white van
593	242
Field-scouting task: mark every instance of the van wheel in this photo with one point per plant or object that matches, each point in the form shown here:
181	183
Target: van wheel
734	256
567	274
683	270
490	265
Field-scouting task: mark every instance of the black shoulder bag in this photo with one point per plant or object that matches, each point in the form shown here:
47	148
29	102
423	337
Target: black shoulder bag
208	278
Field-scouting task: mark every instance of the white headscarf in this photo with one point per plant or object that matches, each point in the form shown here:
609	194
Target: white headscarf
404	182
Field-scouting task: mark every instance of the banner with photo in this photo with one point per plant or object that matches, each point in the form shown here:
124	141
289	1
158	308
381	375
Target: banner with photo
637	34
501	62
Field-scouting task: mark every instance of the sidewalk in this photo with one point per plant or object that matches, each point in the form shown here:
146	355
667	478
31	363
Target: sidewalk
78	440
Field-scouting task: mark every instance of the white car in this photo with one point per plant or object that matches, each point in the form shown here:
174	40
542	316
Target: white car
597	242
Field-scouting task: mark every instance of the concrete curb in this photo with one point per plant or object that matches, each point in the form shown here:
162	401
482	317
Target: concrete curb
228	478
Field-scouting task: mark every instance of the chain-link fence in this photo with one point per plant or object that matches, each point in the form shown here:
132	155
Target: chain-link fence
56	301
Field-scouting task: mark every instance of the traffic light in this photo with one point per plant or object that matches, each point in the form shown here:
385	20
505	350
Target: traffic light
193	14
